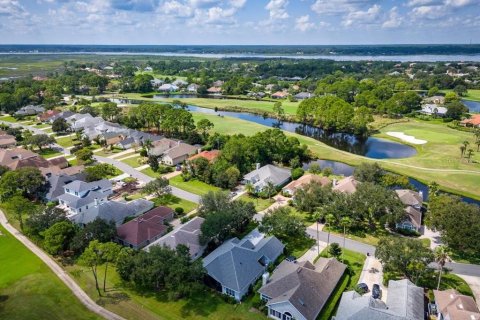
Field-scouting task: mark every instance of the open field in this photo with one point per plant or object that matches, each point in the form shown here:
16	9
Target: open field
438	160
29	289
131	304
193	186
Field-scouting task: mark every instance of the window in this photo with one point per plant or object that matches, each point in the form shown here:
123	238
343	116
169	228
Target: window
86	207
275	313
287	316
230	292
80	210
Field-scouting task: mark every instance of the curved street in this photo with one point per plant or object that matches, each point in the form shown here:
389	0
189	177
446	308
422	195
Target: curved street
60	272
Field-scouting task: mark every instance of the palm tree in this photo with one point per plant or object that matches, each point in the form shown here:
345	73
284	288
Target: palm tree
469	154
466	143
249	188
433	188
441	257
462	150
270	189
477	142
345	222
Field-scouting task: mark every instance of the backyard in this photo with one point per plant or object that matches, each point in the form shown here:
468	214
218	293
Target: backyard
30	290
260	204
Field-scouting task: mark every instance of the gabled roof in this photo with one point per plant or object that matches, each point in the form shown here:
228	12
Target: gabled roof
269	173
346	185
81	186
188	235
113	211
303	95
236	264
306	286
57	182
414	216
405	301
305	180
180	150
145	227
456	306
209	155
409	197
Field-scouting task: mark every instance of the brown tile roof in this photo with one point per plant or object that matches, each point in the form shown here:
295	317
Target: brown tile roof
59	162
7	140
306	179
280	94
209	155
214	90
47	115
456	306
414	216
20	158
346	185
474	120
146	227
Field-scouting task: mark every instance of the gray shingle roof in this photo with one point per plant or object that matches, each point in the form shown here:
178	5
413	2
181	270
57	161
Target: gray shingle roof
268	173
81	186
236	264
57	182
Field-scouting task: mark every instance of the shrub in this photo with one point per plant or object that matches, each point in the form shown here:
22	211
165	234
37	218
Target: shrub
179	211
327	171
297	173
184	220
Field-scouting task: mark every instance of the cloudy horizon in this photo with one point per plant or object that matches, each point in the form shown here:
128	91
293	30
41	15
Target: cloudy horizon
228	22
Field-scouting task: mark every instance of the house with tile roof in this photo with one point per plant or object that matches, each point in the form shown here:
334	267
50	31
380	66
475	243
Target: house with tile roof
211	155
300	290
146	228
451	305
188	234
237	264
346	185
7	141
305	180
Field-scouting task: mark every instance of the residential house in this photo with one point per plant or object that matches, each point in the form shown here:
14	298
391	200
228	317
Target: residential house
435	100
47	115
7	140
188	234
432	109
20	158
29	110
172	152
144	229
279	95
180	83
450	305
148	69
303	181
405	301
111	138
300	290
270	87
473	121
346	185
218	83
57	182
211	155
80	197
214	90
413	202
63	115
193	88
80	121
235	266
156	83
167	87
303	95
261	177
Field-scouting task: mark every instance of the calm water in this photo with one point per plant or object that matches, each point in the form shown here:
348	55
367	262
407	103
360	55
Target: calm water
370	147
473	106
340	168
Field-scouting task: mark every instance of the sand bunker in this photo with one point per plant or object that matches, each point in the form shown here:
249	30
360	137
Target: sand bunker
406	138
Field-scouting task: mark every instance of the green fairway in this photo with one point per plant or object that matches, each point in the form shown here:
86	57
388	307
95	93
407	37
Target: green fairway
29	289
439	160
472	94
204	304
193	186
173	202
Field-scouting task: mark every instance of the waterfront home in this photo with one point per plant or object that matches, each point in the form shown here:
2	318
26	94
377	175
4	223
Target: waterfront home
262	176
346	185
303	181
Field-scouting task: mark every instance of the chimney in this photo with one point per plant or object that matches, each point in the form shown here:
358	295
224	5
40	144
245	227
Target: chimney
334	182
421	194
257	166
96	201
265	278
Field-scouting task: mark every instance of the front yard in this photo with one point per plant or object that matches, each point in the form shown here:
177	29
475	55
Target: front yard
173	202
133	162
49	153
193	186
260	204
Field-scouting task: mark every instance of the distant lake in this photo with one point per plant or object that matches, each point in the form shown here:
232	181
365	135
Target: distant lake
473	106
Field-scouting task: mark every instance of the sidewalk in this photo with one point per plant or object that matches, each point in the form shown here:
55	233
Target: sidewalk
313	252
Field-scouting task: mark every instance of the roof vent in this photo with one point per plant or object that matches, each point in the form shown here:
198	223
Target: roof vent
460	306
301	302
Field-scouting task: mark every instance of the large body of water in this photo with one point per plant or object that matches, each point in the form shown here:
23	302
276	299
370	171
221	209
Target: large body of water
340	168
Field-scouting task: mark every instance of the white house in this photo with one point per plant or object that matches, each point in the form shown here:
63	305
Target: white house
81	196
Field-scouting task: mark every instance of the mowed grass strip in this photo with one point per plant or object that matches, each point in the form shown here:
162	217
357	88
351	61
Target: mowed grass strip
30	290
193	186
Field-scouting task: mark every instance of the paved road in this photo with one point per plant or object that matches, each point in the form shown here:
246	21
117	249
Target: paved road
61	274
145	178
457	268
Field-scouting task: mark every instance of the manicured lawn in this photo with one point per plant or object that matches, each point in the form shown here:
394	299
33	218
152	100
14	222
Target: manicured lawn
50	153
260	204
43	125
440	154
133	162
8	119
30	290
149	172
130	304
355	262
66	141
173	202
472	94
193	186
107	153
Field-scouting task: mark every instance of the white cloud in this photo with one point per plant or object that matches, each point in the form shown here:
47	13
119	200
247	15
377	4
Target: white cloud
303	23
176	9
416	3
362	17
430	12
338	6
394	19
277	9
12	8
458	3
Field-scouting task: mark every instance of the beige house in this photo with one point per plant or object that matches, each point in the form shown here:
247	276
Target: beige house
304	180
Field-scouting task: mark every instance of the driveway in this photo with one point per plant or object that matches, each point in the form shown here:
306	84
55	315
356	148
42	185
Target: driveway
372	273
280	201
140	176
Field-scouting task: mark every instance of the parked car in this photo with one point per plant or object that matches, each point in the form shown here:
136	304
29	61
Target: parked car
291	258
376	291
362	288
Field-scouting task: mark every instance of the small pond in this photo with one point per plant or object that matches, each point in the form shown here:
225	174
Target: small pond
473	106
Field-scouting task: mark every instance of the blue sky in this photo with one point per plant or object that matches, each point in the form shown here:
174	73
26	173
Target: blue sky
239	21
